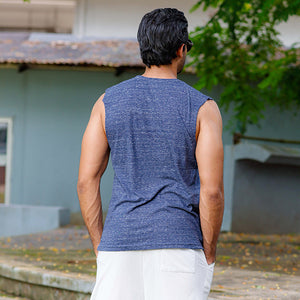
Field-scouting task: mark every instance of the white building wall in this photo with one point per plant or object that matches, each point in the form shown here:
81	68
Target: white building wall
38	15
120	19
290	31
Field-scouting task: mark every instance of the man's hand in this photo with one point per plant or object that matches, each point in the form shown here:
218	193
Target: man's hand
209	155
210	255
93	162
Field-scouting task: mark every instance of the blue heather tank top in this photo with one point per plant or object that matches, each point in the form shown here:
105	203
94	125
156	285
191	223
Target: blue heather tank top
150	125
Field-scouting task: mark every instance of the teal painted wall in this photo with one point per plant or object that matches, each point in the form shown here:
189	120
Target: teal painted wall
50	110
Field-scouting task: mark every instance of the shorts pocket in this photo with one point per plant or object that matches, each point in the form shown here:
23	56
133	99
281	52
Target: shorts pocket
103	257
178	260
204	261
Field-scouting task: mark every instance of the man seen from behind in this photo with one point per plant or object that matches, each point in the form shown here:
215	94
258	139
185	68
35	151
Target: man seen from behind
165	142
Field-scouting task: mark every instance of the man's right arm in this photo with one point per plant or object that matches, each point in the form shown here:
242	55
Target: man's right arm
209	155
93	162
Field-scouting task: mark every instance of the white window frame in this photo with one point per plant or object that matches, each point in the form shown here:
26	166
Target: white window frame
7	158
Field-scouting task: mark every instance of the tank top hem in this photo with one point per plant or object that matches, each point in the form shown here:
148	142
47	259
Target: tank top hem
148	247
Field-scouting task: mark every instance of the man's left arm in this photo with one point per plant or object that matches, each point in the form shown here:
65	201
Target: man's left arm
93	162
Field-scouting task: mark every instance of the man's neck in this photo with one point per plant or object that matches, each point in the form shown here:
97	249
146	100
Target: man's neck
163	72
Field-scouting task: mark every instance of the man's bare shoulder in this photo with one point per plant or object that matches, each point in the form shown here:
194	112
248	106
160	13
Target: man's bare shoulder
209	115
99	103
98	110
209	105
209	111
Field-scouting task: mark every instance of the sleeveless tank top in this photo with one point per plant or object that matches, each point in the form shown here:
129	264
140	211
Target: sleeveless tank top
150	125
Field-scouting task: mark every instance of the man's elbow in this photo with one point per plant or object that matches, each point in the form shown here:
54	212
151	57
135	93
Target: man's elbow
214	195
87	183
83	186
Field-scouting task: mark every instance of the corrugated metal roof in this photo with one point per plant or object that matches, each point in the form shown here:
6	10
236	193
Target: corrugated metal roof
69	50
22	47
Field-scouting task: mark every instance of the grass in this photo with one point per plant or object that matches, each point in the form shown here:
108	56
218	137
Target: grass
74	261
273	252
266	253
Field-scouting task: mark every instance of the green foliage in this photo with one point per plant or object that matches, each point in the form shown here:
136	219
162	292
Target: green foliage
239	50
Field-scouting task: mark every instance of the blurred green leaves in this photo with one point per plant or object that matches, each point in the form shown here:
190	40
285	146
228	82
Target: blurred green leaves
239	50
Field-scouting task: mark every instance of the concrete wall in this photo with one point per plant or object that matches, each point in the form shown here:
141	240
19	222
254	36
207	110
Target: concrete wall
38	15
261	185
120	19
266	198
25	219
50	110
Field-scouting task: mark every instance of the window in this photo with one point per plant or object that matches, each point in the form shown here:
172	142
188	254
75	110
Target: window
5	151
3	142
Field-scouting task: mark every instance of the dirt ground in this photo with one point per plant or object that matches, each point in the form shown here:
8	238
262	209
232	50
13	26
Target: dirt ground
69	249
66	249
270	253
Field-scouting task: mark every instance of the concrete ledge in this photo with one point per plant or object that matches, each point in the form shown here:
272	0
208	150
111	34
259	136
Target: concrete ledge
226	284
36	284
25	219
267	153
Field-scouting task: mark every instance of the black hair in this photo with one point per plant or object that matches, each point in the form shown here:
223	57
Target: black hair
160	34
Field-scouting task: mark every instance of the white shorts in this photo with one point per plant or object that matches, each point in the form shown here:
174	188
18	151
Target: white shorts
160	274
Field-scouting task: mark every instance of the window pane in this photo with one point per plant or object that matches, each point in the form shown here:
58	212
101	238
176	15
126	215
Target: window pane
3	140
3	136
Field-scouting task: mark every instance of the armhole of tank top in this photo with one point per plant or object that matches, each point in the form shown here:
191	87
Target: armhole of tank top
105	127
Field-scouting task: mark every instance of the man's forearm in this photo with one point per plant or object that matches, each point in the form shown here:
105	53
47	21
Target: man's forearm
211	214
91	209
